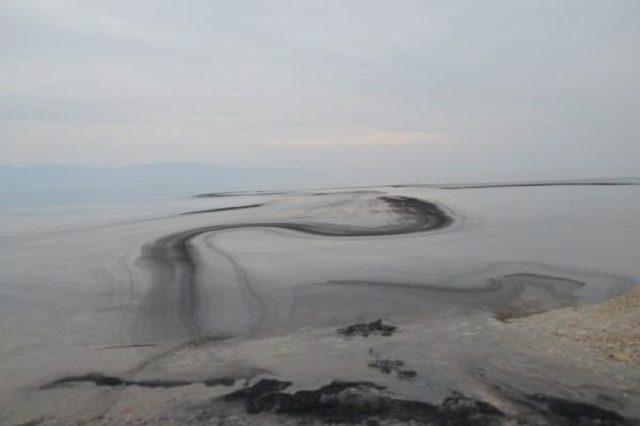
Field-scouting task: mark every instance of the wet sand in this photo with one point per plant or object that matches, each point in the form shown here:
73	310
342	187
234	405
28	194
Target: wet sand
389	305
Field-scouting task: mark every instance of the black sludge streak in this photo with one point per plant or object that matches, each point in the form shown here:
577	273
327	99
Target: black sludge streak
407	374
255	397
358	402
238	193
520	185
567	412
102	380
431	215
545	409
385	365
223	209
365	329
458	409
388	365
355	402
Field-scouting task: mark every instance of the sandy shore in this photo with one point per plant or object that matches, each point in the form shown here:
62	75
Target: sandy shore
610	329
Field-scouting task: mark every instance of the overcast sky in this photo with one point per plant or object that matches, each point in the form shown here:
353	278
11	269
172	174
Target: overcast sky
365	91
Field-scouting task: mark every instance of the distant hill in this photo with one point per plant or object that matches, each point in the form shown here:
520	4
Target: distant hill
30	185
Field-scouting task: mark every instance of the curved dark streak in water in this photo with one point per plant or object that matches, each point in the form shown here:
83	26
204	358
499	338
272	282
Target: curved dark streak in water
499	294
223	209
540	184
493	284
240	194
517	185
250	297
171	261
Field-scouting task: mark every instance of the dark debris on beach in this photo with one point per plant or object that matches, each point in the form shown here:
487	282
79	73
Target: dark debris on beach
377	327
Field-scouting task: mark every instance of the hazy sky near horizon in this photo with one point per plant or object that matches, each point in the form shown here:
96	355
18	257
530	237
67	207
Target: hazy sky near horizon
368	90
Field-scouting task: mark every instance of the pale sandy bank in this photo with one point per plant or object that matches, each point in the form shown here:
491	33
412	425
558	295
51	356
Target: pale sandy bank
610	329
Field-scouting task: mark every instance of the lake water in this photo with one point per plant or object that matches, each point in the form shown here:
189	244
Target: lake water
261	281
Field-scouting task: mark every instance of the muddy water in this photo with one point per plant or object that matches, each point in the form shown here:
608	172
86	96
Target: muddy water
196	293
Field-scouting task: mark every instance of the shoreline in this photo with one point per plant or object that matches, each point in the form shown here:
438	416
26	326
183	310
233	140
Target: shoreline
610	329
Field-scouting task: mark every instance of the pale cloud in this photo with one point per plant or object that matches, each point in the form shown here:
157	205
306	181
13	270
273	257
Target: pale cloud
83	17
379	139
424	89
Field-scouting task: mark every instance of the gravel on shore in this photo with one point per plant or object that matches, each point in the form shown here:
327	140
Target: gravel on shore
610	329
